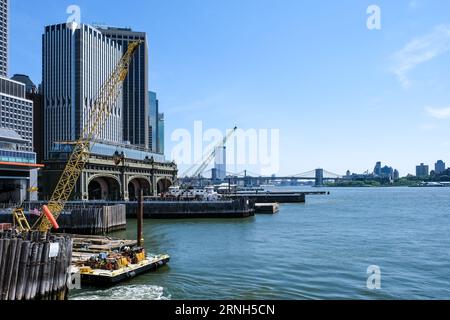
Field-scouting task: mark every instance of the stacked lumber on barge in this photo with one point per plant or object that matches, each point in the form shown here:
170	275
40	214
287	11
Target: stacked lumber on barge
32	268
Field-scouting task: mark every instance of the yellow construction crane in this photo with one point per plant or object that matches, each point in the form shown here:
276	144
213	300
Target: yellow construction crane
107	96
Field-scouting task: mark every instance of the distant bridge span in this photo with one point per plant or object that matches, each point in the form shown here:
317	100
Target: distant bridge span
318	175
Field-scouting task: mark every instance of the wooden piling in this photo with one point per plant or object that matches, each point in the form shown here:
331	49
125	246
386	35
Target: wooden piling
28	272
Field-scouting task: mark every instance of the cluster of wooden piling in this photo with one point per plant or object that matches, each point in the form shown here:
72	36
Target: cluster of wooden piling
33	266
86	220
94	220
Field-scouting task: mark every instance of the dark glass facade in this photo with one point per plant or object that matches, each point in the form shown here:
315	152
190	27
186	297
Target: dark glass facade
135	87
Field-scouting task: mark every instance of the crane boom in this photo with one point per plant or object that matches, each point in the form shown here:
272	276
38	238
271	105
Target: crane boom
107	96
207	161
211	156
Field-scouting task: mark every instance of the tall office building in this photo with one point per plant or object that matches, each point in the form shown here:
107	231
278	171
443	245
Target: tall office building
439	167
30	87
33	94
4	37
153	121
135	87
160	139
75	66
377	169
422	170
220	164
16	111
18	168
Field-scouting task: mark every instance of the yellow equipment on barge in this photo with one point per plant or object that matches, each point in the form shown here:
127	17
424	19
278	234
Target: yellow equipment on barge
103	261
102	277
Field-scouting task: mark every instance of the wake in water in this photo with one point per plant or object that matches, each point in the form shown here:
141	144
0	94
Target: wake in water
136	292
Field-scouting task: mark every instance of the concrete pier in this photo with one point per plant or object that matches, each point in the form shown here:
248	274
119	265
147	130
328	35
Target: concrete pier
272	197
267	208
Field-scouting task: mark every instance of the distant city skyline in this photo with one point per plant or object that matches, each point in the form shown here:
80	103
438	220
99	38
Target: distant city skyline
342	96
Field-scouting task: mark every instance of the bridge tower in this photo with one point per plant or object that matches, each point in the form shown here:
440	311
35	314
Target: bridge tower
319	177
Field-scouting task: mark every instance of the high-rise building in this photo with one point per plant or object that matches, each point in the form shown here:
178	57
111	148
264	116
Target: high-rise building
153	121
4	37
422	170
16	111
75	66
135	86
220	164
18	168
387	172
30	87
34	95
396	175
161	129
439	167
377	169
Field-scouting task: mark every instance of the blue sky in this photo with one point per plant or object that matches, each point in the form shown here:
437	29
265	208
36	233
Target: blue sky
342	96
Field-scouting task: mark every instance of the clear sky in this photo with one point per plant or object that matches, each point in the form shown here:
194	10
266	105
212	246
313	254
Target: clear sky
343	96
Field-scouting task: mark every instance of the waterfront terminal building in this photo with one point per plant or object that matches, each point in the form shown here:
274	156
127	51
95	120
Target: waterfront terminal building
75	65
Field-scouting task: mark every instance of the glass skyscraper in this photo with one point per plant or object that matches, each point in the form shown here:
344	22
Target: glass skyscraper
75	66
153	121
135	86
4	37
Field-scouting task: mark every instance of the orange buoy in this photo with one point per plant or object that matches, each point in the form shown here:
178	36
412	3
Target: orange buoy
50	217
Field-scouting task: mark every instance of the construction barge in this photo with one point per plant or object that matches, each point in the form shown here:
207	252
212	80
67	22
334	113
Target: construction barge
103	261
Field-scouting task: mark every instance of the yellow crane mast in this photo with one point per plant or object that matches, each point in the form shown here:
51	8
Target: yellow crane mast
101	109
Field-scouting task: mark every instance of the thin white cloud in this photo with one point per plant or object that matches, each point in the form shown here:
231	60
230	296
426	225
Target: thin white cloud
438	113
420	50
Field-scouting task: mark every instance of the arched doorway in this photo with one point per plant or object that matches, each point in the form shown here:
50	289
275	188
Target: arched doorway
163	185
136	185
104	188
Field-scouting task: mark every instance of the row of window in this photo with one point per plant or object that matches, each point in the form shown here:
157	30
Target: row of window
18	157
11	107
20	119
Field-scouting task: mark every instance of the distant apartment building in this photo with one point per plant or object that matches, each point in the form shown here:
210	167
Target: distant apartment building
220	164
387	172
377	169
153	121
135	87
384	172
4	9
161	130
439	167
75	66
422	170
396	175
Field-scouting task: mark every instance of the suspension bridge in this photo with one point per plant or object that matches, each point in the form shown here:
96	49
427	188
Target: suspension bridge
317	175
